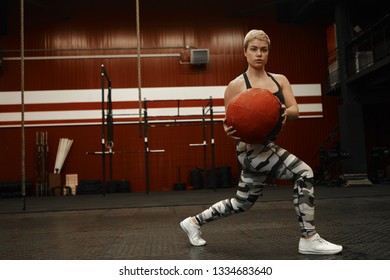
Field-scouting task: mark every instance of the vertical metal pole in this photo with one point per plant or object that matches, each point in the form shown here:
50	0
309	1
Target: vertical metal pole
138	27
110	126
38	164
23	167
46	167
146	147
204	148
213	171
103	136
43	161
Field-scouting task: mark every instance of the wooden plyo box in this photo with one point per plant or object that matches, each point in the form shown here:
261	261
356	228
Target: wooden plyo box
72	182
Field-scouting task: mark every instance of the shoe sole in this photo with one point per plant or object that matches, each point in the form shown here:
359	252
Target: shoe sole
320	253
188	235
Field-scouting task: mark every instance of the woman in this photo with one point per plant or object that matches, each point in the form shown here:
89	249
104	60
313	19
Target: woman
260	161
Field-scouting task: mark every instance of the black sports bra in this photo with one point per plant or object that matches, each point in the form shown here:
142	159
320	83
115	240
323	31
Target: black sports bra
278	94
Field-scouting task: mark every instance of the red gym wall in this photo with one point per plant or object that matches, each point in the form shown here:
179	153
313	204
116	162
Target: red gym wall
298	51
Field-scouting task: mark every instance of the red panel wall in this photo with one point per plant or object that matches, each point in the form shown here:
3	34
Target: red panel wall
298	51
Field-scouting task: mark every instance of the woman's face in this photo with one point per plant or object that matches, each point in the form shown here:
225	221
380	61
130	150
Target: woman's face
257	53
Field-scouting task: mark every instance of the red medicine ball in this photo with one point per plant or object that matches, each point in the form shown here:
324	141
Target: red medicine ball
256	115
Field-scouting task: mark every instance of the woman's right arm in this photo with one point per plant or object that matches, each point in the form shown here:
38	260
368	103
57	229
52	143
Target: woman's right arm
233	88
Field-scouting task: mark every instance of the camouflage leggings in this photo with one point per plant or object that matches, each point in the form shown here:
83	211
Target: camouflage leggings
259	162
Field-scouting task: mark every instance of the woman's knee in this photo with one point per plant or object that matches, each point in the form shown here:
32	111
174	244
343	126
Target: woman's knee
305	171
241	205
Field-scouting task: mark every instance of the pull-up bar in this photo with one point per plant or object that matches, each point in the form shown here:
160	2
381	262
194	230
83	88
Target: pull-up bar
207	108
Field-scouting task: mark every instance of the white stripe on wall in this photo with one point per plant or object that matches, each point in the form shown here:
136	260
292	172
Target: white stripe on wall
131	94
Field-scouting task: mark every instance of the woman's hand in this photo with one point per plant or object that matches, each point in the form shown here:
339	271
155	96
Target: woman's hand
284	115
230	131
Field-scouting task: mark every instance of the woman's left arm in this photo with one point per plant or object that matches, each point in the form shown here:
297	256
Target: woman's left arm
292	110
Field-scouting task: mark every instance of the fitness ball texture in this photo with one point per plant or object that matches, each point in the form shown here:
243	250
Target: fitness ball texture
256	115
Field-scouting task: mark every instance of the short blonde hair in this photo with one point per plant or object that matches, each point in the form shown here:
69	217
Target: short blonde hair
256	34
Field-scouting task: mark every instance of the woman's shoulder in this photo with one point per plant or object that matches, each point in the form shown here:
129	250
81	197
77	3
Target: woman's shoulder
238	79
276	75
279	77
237	84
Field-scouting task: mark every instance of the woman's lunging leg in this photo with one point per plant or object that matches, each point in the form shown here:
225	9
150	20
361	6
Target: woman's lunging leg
250	187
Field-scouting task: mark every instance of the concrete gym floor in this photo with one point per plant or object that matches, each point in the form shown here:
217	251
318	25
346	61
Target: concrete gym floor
137	226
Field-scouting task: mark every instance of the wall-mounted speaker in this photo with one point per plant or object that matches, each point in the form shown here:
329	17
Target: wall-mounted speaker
199	56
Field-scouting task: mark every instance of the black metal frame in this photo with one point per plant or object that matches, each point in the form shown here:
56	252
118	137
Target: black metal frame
105	78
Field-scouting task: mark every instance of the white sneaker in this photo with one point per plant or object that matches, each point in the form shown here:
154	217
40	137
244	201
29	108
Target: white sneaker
316	245
193	232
